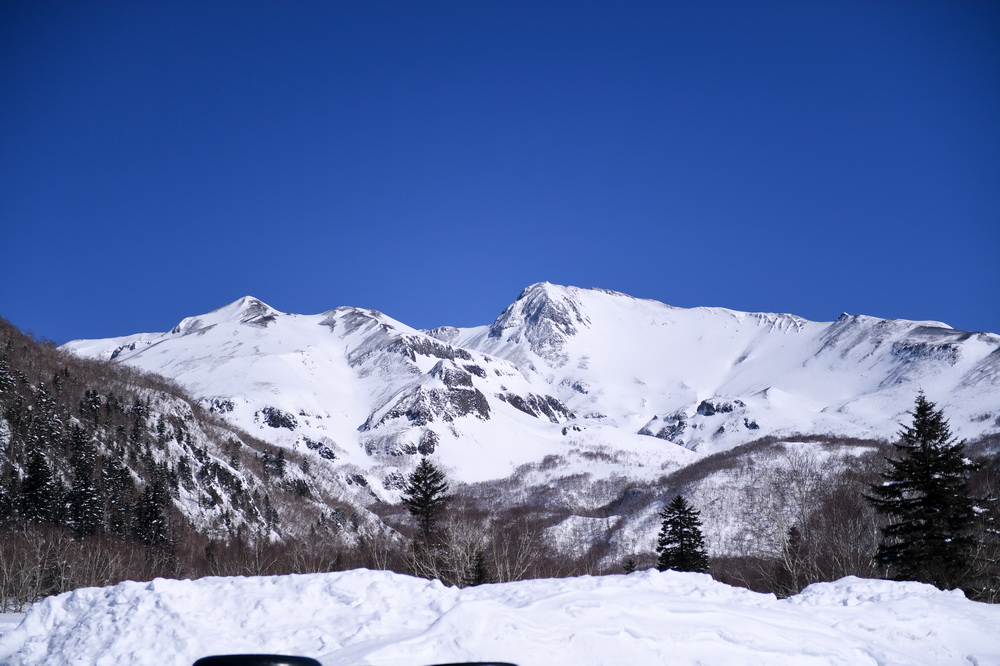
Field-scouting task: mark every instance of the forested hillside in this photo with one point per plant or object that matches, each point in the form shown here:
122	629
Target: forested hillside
109	473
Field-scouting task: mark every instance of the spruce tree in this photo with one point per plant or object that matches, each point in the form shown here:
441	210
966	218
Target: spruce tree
41	493
150	520
925	494
86	510
84	503
681	545
119	496
425	496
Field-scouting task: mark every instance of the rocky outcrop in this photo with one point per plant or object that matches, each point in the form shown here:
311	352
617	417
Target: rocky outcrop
538	406
422	406
545	316
670	428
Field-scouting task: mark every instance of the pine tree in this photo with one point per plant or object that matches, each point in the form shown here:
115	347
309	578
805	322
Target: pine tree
925	493
425	496
681	545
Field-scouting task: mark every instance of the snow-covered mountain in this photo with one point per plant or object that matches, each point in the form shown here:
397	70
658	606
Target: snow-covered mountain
562	371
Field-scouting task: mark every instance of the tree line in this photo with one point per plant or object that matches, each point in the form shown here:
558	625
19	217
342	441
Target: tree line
932	526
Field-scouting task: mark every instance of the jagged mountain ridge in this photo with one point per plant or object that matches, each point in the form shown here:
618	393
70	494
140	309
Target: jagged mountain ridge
562	370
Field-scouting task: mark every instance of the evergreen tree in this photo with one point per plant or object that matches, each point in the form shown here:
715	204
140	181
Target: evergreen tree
425	496
479	571
925	494
41	494
790	575
280	463
681	545
7	382
86	510
90	406
9	488
84	502
150	520
119	495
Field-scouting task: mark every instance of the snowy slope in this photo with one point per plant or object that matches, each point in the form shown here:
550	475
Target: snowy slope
646	618
711	378
564	371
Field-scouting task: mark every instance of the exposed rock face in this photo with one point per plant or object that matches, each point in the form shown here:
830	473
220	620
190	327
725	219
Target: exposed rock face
423	406
124	348
349	320
321	449
413	346
401	443
428	442
247	311
912	350
257	314
446	334
538	406
451	375
711	408
275	418
546	317
670	428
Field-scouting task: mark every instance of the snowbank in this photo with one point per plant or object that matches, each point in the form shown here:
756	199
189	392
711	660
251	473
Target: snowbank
374	617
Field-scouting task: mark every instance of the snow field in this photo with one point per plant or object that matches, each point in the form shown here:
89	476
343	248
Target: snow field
375	617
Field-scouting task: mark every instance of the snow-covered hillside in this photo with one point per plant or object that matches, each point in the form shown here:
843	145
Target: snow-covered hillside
562	371
645	618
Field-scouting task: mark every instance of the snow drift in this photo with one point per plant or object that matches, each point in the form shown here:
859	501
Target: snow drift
369	617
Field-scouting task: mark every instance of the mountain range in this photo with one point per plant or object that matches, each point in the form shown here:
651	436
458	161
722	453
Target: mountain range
566	374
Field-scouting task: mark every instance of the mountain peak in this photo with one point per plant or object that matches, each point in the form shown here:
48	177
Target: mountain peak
247	310
545	315
541	305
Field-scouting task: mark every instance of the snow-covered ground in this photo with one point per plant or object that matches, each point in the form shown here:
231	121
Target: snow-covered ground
375	617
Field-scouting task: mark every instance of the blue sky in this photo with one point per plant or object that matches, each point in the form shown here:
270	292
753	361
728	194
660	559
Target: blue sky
431	159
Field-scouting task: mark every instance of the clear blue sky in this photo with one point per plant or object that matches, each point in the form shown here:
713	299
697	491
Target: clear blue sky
431	159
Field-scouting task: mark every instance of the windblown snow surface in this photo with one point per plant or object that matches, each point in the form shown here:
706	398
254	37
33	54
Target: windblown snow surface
374	617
